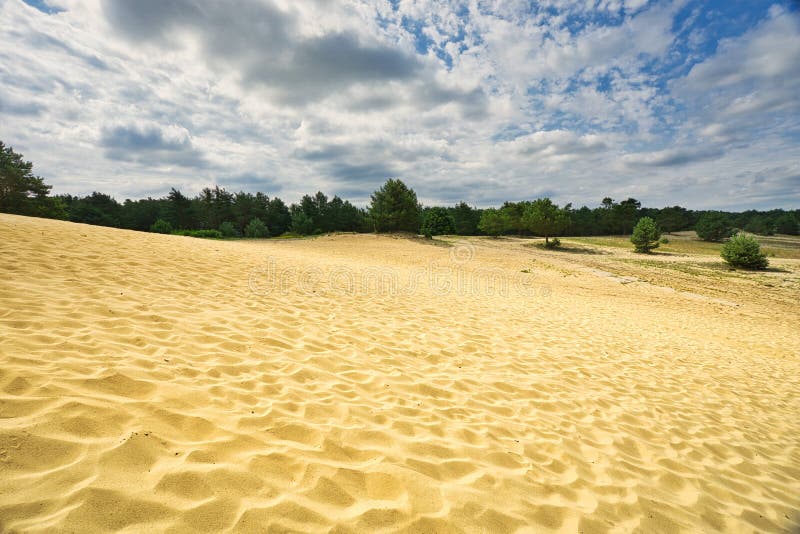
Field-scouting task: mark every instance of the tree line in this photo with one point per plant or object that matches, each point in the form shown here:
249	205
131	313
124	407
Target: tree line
216	212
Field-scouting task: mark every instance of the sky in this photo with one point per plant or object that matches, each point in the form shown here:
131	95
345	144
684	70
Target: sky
686	102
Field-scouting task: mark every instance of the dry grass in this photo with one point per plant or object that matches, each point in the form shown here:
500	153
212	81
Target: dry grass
688	243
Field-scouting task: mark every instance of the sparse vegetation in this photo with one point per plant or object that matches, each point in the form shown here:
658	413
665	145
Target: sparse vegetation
553	243
742	250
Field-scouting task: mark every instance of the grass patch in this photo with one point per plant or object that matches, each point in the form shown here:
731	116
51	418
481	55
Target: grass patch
787	247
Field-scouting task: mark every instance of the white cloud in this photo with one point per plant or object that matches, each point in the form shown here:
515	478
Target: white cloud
507	101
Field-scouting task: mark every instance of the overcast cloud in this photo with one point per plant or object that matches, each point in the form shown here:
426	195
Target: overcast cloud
671	102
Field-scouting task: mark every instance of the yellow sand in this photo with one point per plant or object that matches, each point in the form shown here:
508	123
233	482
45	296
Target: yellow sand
164	383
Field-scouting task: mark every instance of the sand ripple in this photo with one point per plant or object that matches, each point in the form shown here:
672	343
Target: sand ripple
144	387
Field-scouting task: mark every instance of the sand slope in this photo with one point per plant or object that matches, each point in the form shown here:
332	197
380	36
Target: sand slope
164	383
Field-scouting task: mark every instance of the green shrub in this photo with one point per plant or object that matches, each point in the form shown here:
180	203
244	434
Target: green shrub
161	227
742	250
228	230
645	235
436	221
664	241
552	243
256	228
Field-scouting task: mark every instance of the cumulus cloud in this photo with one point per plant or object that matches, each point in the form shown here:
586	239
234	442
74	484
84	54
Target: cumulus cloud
748	89
558	143
150	144
674	157
665	101
264	47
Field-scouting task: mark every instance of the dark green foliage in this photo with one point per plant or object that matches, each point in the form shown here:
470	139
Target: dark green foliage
311	215
142	214
493	222
664	241
465	219
673	219
180	212
542	217
513	212
760	224
302	224
208	234
787	224
394	208
278	218
713	226
214	206
742	250
256	228
624	216
345	217
583	222
247	206
616	218
322	215
161	227
645	235
97	208
436	221
316	214
23	193
227	229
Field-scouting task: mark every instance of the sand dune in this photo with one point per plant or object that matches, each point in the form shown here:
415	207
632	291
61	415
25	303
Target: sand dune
378	384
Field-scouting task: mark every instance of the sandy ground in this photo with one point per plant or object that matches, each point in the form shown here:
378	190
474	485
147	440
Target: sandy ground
362	383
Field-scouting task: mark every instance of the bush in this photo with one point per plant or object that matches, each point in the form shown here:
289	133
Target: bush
664	241
207	234
161	227
436	221
553	243
228	230
713	226
256	228
645	235
742	250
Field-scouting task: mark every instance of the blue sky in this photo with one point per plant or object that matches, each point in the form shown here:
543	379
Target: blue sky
685	102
